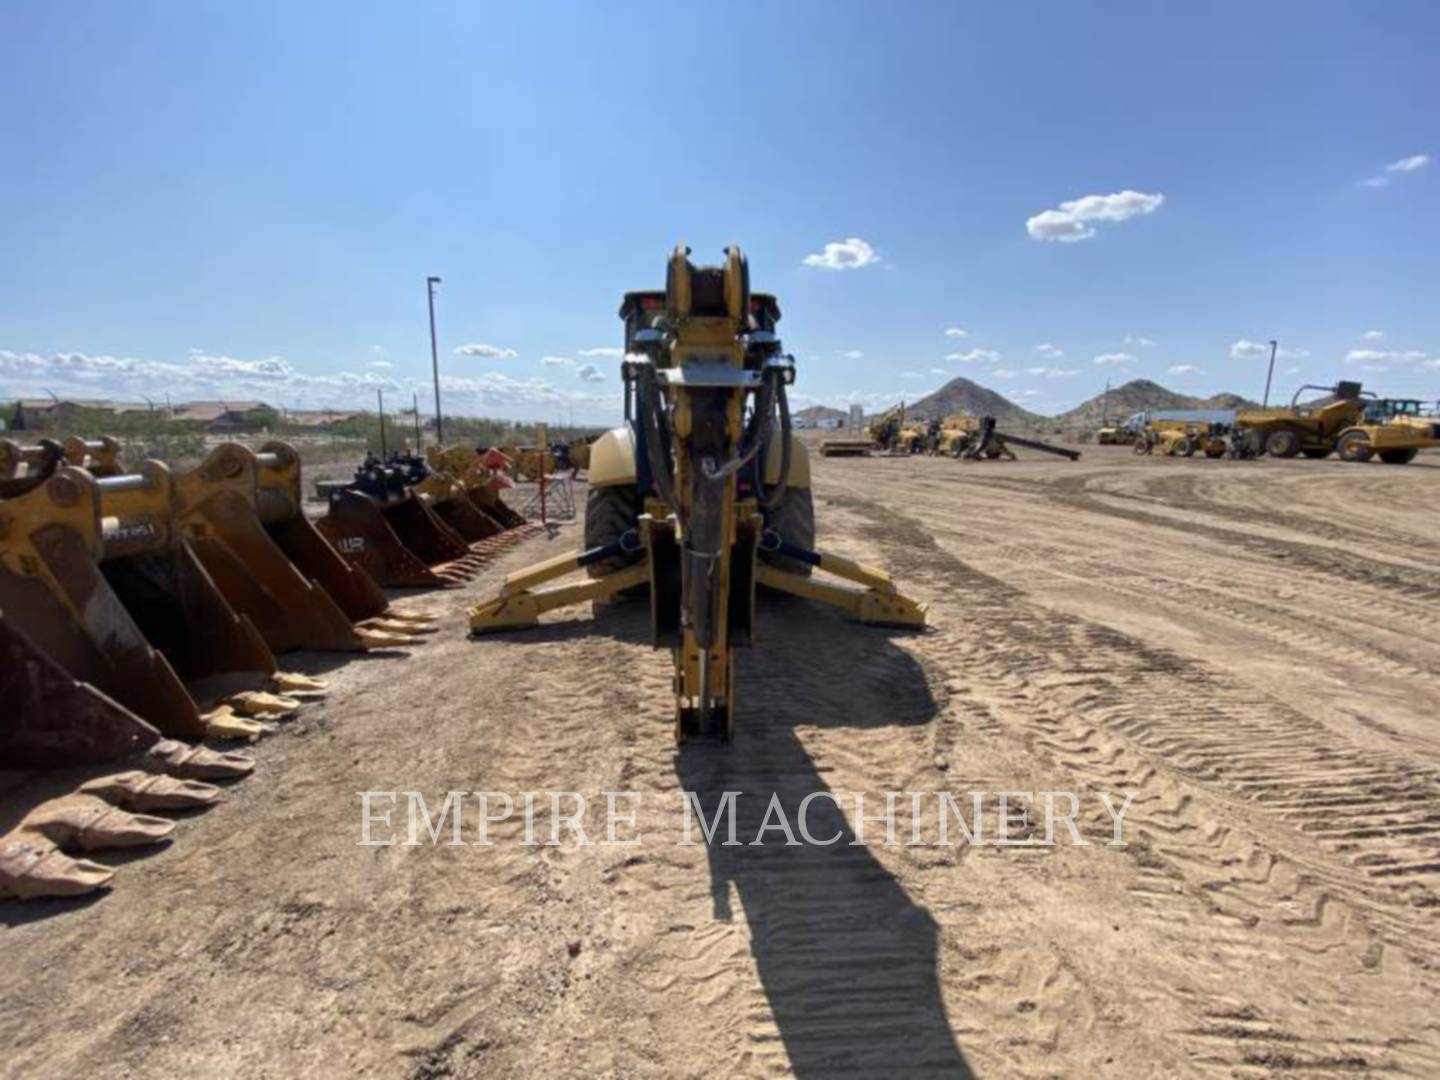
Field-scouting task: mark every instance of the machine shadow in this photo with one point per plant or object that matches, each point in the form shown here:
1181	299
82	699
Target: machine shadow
848	961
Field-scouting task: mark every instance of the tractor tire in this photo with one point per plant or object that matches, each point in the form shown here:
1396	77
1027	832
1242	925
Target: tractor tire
1214	449
610	512
1400	455
1255	441
1283	443
794	520
1142	445
1316	453
1354	446
1187	448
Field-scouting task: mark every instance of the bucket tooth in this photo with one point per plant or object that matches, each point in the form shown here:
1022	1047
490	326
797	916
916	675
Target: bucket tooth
293	684
142	791
263	705
223	723
198	762
89	823
33	867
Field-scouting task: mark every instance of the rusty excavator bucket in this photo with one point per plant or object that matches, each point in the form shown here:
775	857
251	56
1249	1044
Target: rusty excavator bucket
380	524
279	504
219	509
98	585
482	481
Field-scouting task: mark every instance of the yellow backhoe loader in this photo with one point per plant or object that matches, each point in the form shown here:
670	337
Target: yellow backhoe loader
702	495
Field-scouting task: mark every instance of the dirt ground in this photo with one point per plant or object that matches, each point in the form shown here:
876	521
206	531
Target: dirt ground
1251	648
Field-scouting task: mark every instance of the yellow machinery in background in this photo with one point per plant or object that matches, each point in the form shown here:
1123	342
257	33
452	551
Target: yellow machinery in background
1311	429
702	495
1392	429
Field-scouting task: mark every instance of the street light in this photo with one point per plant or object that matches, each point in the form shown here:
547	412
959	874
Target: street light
430	283
1268	375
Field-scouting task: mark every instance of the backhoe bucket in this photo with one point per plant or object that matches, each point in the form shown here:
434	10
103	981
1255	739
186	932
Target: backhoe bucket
95	573
217	506
279	503
52	720
364	538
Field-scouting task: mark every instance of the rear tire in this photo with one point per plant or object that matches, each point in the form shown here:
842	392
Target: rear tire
794	520
1354	446
1399	456
610	512
1284	444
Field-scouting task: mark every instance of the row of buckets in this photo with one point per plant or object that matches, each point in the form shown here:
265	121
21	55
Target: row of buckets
141	614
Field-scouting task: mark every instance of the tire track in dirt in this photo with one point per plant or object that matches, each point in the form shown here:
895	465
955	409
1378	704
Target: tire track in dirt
1317	886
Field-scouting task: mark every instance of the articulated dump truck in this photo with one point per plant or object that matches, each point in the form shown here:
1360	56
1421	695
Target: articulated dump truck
140	616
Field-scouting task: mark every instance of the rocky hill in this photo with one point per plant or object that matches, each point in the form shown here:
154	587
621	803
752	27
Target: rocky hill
1142	395
960	395
815	413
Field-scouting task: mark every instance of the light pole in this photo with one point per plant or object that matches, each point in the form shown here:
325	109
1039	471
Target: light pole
430	283
1269	374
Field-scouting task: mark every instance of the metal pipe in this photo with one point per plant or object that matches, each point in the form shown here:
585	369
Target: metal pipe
430	283
1266	403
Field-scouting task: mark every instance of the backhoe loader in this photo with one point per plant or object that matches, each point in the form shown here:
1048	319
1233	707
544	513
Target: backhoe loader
702	495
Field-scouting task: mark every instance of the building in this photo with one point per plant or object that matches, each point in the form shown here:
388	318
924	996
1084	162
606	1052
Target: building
222	416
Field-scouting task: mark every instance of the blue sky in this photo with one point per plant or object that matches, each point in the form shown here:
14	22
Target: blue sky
243	200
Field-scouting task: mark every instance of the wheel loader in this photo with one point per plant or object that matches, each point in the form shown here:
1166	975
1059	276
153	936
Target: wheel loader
702	495
1391	429
1311	430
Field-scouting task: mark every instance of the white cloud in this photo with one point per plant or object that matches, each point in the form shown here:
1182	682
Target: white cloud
558	361
1052	373
385	365
1184	369
202	376
488	352
1004	373
1373	335
1141	342
603	350
1114	358
849	254
1409	164
1245	349
1027	393
904	375
1293	370
1385	356
590	373
853	354
987	356
956	332
933	371
1050	352
1070	222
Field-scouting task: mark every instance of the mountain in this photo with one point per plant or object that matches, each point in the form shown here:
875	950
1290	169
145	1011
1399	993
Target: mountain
815	413
960	395
1142	395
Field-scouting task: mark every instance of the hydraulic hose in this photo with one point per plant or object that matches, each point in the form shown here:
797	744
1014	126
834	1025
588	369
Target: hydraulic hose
776	496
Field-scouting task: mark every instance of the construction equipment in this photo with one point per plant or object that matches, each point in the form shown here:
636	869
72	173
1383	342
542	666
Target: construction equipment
1392	429
1186	438
976	438
413	523
1312	429
702	495
1113	436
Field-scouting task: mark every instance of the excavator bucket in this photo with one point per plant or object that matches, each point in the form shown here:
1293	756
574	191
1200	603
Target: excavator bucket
361	534
95	574
278	501
99	457
218	509
51	719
